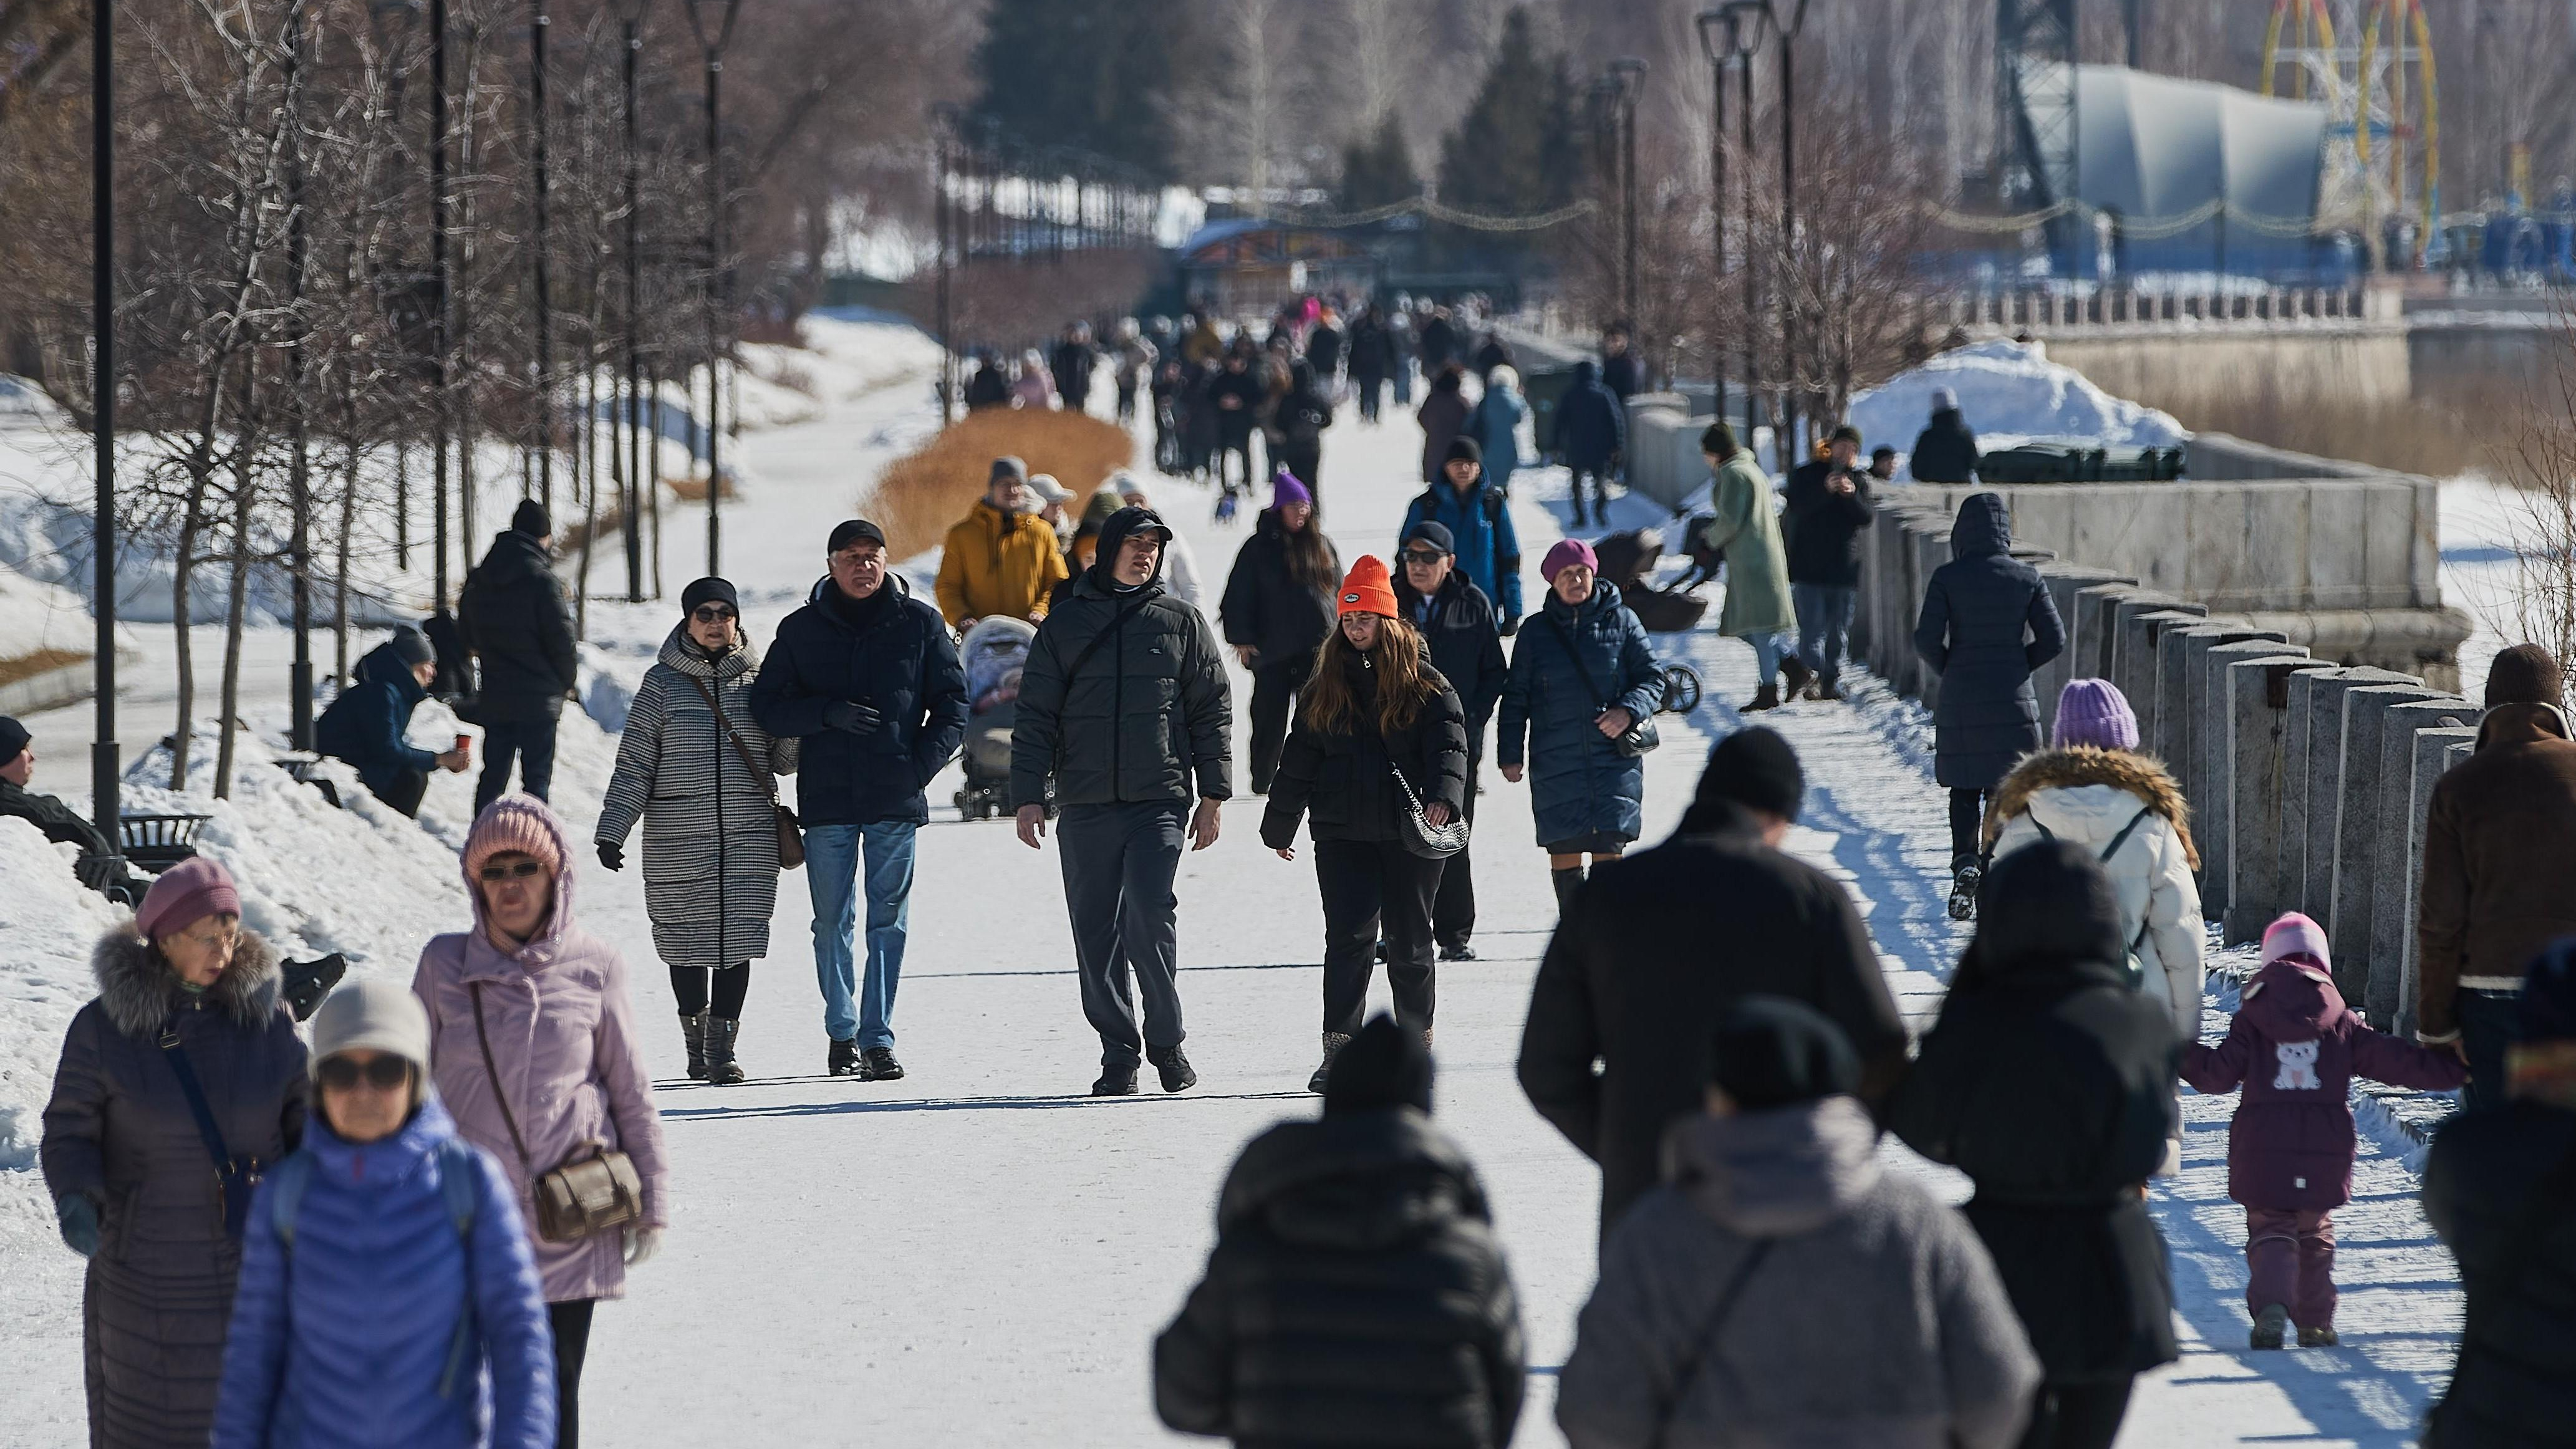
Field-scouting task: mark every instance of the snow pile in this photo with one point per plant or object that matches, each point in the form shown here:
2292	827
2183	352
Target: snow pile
24	405
49	921
37	615
2009	391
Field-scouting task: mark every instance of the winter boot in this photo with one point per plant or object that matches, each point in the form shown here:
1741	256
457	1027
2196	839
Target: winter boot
1964	885
1426	1038
693	1030
722	1069
1794	677
1116	1080
1334	1041
844	1058
1567	882
2270	1328
1173	1066
1457	951
877	1064
2318	1338
1767	697
1828	686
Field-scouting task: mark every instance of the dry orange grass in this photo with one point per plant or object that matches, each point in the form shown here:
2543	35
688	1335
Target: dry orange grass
922	494
28	666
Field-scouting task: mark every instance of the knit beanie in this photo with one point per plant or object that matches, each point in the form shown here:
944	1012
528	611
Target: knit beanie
13	739
709	591
1285	489
1368	590
530	519
1565	552
185	894
412	647
2525	674
1009	467
1384	1066
515	822
1770	1051
377	1015
1102	503
2094	712
1755	768
2297	935
1463	450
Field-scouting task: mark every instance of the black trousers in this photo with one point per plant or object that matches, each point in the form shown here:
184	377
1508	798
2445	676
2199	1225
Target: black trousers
1119	862
1967	814
1453	914
571	1323
733	983
532	742
1230	446
1275	687
1306	460
1600	477
404	791
1376	888
1370	386
2078	1415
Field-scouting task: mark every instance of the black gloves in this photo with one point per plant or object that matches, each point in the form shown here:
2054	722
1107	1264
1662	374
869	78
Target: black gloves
305	983
77	1213
850	718
612	855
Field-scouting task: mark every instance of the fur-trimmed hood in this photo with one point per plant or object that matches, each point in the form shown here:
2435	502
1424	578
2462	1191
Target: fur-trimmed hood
139	992
2085	779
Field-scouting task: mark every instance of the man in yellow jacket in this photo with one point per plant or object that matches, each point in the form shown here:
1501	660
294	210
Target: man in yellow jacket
999	560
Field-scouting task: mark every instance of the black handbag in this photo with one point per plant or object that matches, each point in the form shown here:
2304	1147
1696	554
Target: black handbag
1420	836
1641	737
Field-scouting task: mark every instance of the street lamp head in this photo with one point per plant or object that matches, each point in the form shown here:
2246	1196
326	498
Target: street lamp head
712	22
1628	68
1747	21
1716	34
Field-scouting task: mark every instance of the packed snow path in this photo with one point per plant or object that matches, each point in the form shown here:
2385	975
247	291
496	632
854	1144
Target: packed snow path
981	1255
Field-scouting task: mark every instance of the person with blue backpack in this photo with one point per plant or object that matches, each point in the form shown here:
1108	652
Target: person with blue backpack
1479	520
388	1293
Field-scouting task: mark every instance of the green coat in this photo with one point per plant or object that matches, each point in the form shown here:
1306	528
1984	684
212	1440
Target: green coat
1746	529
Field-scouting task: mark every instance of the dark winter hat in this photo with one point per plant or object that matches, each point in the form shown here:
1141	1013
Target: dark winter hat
1881	451
1463	450
1009	467
1435	534
410	646
1718	439
2547	1011
1384	1066
851	531
2048	905
1844	434
709	591
531	519
1757	769
1769	1051
13	739
2525	674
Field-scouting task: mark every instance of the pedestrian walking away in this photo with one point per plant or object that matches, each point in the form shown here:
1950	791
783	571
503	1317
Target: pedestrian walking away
2497	838
517	619
1302	417
1443	416
1945	451
1654	951
1591	434
1372	358
1987	625
1780	1287
180	1083
697	770
1357	1293
1133	358
386	1275
1496	426
1071	363
1581	678
1235	398
867	677
1456	621
1743	527
1827	504
533	1050
1125	716
2295	1048
1379	736
2048	1080
1277	611
100	864
1483	539
1000	559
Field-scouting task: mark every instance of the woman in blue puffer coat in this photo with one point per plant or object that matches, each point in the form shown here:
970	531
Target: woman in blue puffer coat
1581	675
388	1295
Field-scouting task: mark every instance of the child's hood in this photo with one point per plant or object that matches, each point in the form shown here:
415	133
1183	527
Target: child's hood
2291	999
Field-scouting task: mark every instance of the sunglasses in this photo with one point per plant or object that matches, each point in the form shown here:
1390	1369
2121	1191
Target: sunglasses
1424	557
385	1074
499	873
713	614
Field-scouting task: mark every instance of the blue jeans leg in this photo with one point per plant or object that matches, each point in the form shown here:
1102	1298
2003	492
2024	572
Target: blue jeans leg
889	888
1824	625
831	869
1767	649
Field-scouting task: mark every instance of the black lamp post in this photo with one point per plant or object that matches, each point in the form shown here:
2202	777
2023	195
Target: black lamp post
299	464
1627	76
441	305
631	506
1788	454
1717	42
712	40
944	212
1746	20
538	24
393	21
106	770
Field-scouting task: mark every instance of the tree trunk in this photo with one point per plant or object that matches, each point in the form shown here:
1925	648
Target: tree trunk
236	601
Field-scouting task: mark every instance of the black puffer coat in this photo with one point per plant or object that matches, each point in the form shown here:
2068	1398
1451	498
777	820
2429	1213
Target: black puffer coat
1149	715
119	1131
1266	605
2516	1381
1342	782
1466	644
2048	1080
900	659
1988	624
1823	527
518	621
1356	1297
1945	452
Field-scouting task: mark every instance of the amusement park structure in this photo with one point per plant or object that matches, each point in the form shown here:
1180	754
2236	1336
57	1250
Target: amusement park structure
2383	134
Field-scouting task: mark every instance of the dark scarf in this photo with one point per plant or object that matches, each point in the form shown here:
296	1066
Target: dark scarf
860	614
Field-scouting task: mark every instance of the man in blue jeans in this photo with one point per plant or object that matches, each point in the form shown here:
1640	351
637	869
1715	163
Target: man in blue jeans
1827	504
868	678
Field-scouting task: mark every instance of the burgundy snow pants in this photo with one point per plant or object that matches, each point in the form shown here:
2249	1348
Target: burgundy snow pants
2290	1255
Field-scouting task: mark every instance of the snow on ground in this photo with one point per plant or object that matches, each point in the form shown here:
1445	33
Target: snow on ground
2008	391
980	1255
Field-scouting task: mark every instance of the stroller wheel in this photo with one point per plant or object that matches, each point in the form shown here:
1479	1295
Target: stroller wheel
1681	689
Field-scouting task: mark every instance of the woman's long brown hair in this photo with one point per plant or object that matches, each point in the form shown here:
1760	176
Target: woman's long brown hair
1311	560
1404	682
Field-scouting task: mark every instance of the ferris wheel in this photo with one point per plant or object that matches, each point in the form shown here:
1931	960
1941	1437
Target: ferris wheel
2383	137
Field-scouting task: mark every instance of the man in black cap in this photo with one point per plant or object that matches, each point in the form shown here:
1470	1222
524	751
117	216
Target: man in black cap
98	867
1652	950
868	678
517	619
369	724
1456	620
1125	711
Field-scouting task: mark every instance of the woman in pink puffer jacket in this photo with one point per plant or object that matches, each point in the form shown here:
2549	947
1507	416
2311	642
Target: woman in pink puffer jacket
561	1029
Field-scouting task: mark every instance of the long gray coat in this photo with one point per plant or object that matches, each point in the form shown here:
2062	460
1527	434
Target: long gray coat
160	1290
710	844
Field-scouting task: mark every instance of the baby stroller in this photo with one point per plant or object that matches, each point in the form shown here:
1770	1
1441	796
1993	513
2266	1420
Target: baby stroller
1627	558
995	652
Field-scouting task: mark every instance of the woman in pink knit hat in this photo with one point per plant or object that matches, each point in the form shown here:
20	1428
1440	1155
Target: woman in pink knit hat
533	1048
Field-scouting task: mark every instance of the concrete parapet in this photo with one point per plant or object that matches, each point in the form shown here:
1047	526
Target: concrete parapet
2437	752
1931	540
2323	803
2192	725
2397	869
2090	632
2259	754
2410	641
2140	660
2358	874
2063	580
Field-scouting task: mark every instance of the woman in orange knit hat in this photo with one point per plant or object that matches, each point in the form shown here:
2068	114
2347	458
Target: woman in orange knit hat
1373	711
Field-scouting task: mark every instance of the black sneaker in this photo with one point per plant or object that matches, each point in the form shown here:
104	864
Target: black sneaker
1116	1080
1457	951
844	1059
1174	1067
877	1064
1963	893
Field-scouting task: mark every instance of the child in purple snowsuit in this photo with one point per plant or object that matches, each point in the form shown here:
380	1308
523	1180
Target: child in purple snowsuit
2295	1048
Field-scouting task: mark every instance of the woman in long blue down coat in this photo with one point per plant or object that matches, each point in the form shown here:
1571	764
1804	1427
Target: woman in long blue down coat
1988	624
1496	426
1581	675
388	1295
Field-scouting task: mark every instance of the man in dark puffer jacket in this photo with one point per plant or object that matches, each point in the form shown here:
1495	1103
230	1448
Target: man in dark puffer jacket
518	621
1356	1294
1124	706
